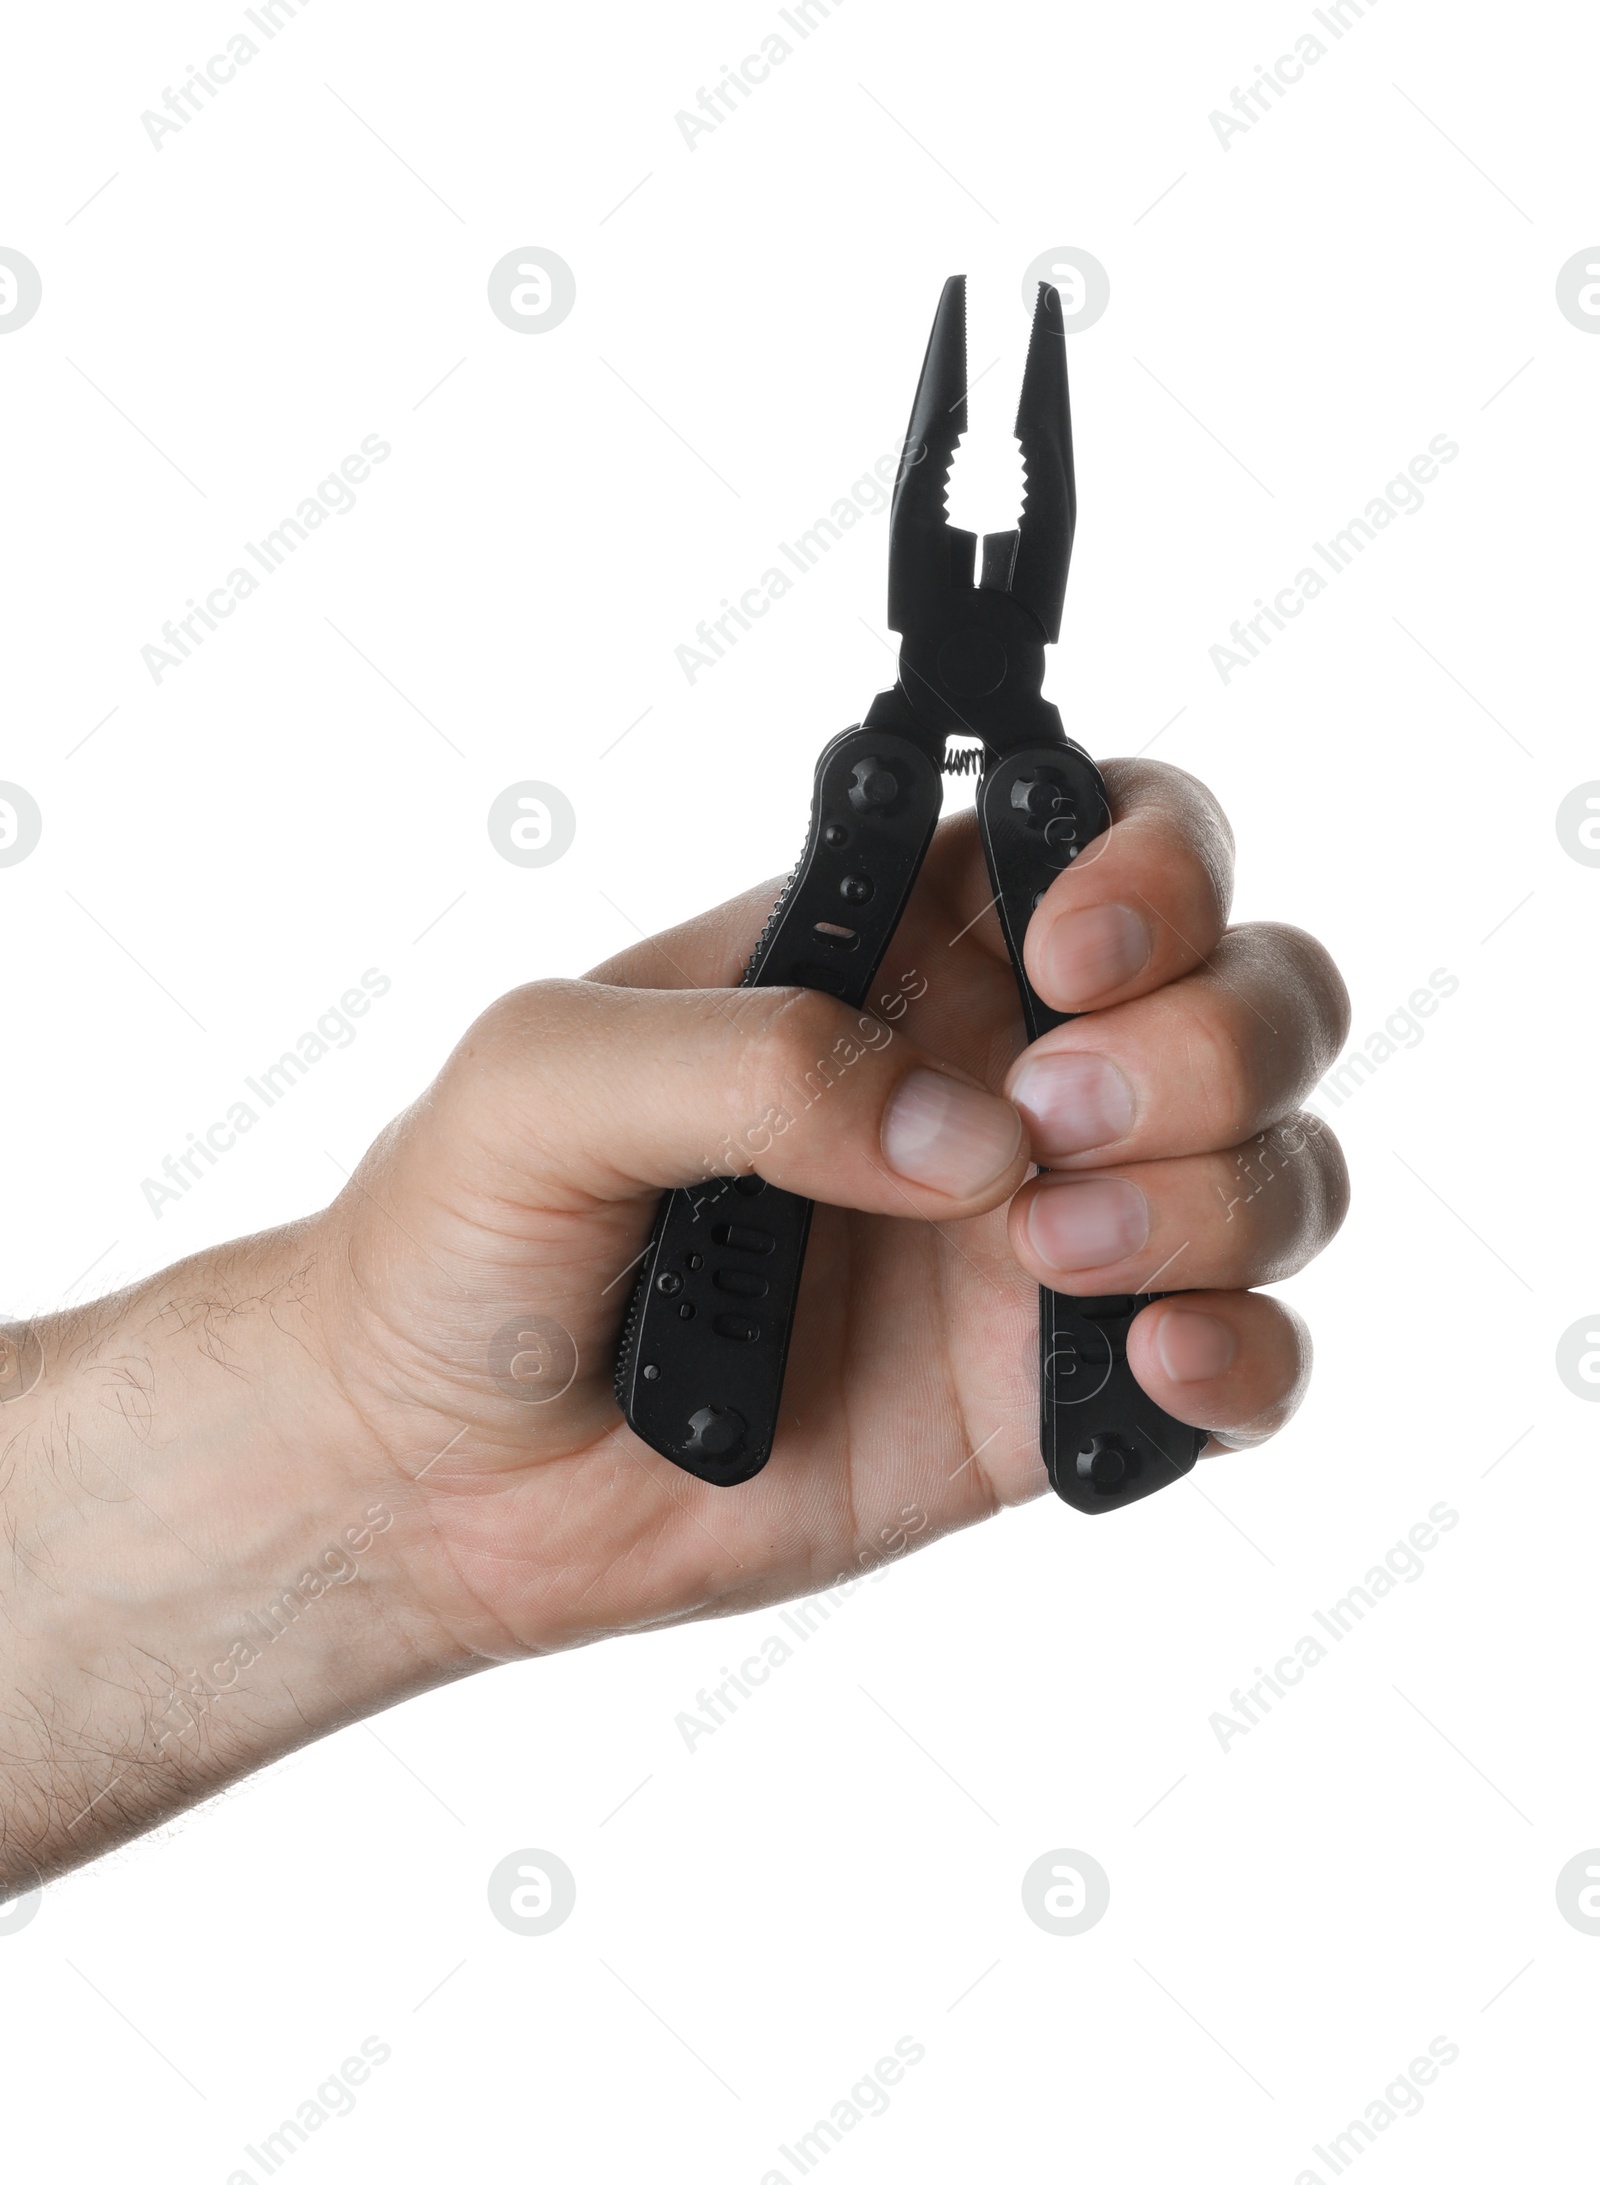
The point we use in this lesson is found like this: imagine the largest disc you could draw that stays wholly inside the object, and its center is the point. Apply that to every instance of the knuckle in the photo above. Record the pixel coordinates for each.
(1210, 841)
(1173, 810)
(1283, 1002)
(1324, 998)
(1222, 1073)
(795, 1040)
(1285, 1342)
(1282, 1194)
(1304, 1150)
(1201, 821)
(503, 1032)
(1333, 1181)
(1278, 1347)
(506, 1049)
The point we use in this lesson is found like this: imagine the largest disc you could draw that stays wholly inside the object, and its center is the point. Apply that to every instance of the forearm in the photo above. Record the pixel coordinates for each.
(198, 1569)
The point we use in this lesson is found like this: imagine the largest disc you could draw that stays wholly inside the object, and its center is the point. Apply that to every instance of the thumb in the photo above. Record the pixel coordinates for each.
(571, 1094)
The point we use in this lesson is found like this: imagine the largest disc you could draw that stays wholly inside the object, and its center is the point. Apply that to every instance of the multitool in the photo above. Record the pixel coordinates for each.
(700, 1370)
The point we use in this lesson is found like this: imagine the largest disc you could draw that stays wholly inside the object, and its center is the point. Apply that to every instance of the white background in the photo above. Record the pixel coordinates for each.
(1292, 318)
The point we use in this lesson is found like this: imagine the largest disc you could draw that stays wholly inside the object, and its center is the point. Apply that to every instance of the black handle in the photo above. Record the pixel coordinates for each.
(700, 1369)
(1105, 1442)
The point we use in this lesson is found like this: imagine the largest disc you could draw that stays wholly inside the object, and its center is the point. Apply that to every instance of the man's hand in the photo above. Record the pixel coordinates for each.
(368, 1359)
(526, 1183)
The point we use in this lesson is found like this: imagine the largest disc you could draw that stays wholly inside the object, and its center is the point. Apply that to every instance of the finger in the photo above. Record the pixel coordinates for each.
(1169, 845)
(1256, 1213)
(1145, 902)
(1235, 1364)
(713, 948)
(1205, 1062)
(710, 949)
(571, 1093)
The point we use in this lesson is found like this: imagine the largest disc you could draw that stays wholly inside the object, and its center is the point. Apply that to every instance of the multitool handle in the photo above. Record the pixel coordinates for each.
(700, 1369)
(1105, 1442)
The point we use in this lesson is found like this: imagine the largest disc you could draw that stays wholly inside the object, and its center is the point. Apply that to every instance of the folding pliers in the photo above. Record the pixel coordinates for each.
(700, 1369)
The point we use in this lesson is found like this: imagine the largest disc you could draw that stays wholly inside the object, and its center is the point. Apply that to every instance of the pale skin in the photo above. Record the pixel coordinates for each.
(319, 1399)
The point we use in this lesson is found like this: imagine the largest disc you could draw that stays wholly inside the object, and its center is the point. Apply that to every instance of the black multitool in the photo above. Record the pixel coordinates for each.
(700, 1369)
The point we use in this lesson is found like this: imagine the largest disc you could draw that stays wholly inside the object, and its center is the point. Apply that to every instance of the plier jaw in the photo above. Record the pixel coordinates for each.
(973, 637)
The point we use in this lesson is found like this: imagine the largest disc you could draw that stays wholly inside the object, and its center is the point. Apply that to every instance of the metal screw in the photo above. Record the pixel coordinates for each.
(875, 788)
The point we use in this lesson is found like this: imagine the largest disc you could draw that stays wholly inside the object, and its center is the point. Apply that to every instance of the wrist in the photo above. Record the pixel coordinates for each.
(205, 1569)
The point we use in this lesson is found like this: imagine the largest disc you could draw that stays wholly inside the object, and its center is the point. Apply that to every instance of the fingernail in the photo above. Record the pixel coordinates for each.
(1074, 1226)
(1091, 952)
(1072, 1102)
(938, 1131)
(1194, 1347)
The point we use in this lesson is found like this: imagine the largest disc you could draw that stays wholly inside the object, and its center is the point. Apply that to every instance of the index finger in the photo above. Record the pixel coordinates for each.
(1144, 902)
(711, 949)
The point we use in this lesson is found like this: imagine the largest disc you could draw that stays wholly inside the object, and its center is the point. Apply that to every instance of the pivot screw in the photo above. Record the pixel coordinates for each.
(1043, 797)
(714, 1432)
(856, 888)
(1103, 1462)
(669, 1285)
(875, 788)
